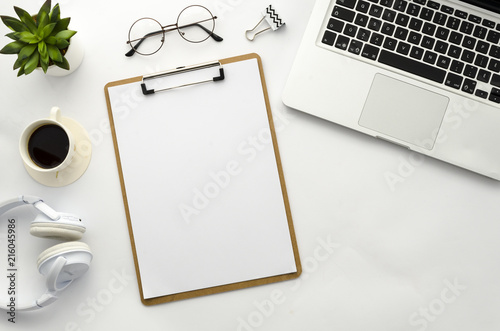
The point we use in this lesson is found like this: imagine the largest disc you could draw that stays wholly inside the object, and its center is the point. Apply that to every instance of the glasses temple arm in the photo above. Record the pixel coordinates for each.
(136, 46)
(214, 36)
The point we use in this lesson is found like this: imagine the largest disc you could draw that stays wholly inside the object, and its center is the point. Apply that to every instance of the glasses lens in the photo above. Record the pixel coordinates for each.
(146, 36)
(195, 23)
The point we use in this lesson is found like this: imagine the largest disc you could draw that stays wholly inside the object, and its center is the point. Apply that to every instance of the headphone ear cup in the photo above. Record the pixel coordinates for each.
(68, 227)
(63, 263)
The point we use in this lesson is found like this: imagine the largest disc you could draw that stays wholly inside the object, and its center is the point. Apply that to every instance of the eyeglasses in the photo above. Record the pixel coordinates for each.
(195, 24)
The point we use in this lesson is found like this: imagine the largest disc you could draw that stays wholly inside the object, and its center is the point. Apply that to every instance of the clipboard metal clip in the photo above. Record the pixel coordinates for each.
(181, 70)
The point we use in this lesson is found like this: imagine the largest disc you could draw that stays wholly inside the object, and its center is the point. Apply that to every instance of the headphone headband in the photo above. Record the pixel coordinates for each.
(37, 202)
(46, 299)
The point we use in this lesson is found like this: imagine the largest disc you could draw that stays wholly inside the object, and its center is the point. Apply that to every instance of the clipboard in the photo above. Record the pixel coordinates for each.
(206, 203)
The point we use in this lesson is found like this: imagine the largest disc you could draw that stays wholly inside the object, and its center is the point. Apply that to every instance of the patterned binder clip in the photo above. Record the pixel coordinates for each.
(272, 18)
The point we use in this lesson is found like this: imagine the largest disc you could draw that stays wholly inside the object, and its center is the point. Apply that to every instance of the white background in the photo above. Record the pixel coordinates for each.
(419, 253)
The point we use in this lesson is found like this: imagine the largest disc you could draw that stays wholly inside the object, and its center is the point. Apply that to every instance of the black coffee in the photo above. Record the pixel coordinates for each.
(48, 146)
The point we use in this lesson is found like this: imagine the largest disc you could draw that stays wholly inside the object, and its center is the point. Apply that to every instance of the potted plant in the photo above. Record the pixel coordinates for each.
(42, 41)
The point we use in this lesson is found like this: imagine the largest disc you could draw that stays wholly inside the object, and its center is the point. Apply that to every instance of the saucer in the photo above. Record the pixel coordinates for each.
(79, 163)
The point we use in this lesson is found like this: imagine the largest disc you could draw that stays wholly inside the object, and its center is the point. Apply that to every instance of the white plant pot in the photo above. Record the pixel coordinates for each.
(74, 55)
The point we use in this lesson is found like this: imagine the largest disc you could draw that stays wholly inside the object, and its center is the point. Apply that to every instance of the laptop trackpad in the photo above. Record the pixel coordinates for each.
(403, 111)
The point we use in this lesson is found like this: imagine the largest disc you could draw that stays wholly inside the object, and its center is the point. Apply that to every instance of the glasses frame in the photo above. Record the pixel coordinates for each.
(171, 27)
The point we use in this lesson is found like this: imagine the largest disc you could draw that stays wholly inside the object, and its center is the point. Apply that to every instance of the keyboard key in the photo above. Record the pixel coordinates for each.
(420, 2)
(430, 57)
(470, 71)
(453, 23)
(466, 27)
(453, 80)
(482, 47)
(455, 38)
(415, 24)
(469, 42)
(412, 66)
(400, 5)
(494, 65)
(370, 52)
(440, 18)
(488, 23)
(426, 14)
(363, 35)
(347, 3)
(329, 38)
(481, 93)
(447, 9)
(363, 6)
(361, 20)
(413, 9)
(441, 47)
(457, 66)
(417, 52)
(401, 33)
(467, 56)
(442, 33)
(494, 98)
(443, 62)
(390, 43)
(388, 29)
(469, 86)
(350, 30)
(403, 48)
(493, 36)
(335, 25)
(343, 13)
(495, 80)
(494, 52)
(454, 51)
(375, 11)
(474, 18)
(414, 38)
(428, 42)
(377, 39)
(433, 4)
(374, 24)
(429, 29)
(402, 19)
(479, 32)
(355, 47)
(494, 95)
(386, 3)
(342, 42)
(484, 76)
(481, 61)
(389, 15)
(461, 14)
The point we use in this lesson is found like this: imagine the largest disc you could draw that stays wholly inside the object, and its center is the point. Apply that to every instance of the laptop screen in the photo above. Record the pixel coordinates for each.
(493, 5)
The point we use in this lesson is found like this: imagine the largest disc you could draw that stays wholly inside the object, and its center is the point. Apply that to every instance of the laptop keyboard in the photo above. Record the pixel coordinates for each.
(425, 38)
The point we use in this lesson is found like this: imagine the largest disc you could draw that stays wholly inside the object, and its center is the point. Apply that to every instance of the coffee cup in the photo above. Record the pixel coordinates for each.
(55, 150)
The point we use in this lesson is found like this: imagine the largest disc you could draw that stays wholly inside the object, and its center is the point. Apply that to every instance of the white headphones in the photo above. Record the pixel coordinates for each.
(60, 264)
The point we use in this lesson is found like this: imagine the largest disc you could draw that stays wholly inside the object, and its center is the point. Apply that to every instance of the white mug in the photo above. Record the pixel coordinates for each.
(55, 150)
(46, 145)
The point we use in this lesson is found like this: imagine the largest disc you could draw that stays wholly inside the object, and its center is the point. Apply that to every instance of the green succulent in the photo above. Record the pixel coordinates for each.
(40, 40)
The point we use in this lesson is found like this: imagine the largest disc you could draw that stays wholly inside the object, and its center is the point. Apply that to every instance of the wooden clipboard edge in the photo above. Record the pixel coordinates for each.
(120, 173)
(226, 287)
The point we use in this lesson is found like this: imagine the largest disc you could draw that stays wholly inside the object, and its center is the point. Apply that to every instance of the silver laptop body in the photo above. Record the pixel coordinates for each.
(456, 121)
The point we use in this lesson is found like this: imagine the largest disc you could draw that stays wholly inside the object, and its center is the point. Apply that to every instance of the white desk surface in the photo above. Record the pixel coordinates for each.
(420, 254)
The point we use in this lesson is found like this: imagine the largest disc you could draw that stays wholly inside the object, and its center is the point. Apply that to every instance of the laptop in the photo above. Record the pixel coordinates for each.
(423, 74)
